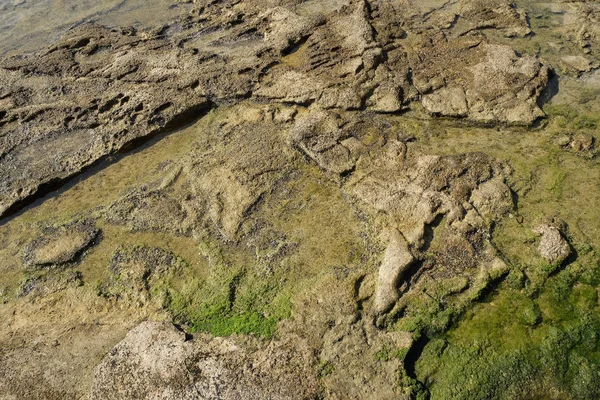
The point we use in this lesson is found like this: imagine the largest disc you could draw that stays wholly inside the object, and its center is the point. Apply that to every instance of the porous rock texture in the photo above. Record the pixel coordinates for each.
(59, 245)
(296, 174)
(98, 89)
(553, 247)
(155, 361)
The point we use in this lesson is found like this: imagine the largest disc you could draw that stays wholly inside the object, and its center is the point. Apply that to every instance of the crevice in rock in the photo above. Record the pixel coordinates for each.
(410, 361)
(294, 47)
(551, 89)
(57, 186)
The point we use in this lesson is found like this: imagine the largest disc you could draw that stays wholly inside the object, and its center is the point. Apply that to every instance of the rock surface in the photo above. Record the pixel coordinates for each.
(396, 261)
(112, 87)
(156, 361)
(553, 247)
(273, 143)
(60, 245)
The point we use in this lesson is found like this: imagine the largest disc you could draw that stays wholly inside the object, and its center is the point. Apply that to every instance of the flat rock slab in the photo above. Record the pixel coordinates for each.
(156, 361)
(100, 90)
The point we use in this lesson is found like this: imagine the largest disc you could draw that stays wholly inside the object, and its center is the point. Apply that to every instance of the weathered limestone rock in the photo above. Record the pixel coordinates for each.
(396, 262)
(451, 102)
(499, 14)
(149, 363)
(320, 136)
(156, 361)
(362, 362)
(492, 198)
(553, 247)
(216, 185)
(505, 87)
(461, 192)
(113, 87)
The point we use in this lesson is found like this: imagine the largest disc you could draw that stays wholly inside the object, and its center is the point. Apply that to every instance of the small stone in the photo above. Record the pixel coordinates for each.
(553, 247)
(582, 142)
(562, 140)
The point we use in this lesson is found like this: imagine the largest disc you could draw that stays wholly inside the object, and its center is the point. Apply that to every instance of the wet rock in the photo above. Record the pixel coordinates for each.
(60, 245)
(134, 271)
(553, 247)
(216, 184)
(45, 285)
(396, 262)
(110, 88)
(154, 207)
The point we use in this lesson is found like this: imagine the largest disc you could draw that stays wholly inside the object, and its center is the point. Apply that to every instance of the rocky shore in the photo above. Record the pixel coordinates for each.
(303, 200)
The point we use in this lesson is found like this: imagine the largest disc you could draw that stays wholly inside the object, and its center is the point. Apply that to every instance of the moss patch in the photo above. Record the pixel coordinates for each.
(517, 345)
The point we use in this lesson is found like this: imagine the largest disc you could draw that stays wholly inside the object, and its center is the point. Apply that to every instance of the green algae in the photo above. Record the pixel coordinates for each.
(250, 288)
(304, 228)
(515, 345)
(535, 335)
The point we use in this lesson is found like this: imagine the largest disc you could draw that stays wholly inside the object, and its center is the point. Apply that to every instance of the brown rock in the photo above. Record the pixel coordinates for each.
(156, 361)
(396, 261)
(582, 142)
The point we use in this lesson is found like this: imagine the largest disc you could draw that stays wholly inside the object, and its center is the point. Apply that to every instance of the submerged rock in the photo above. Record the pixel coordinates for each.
(134, 271)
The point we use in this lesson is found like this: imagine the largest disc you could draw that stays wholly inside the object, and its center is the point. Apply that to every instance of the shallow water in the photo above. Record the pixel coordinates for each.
(30, 25)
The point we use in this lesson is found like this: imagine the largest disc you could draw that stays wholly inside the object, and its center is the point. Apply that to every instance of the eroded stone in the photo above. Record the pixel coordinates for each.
(60, 245)
(553, 247)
